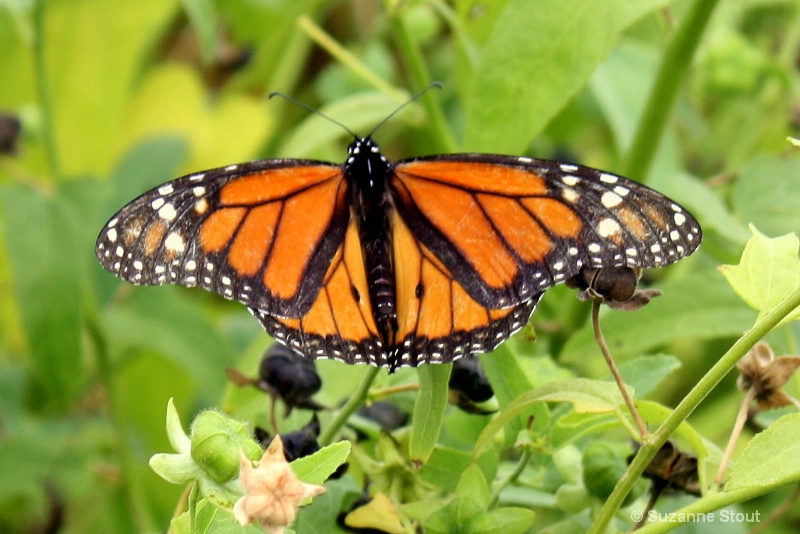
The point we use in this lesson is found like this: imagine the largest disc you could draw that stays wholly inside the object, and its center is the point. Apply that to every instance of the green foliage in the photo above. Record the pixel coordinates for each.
(115, 98)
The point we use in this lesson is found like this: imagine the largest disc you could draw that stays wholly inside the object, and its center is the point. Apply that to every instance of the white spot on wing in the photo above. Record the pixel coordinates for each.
(111, 234)
(608, 227)
(570, 195)
(165, 189)
(167, 212)
(570, 180)
(610, 199)
(174, 242)
(608, 178)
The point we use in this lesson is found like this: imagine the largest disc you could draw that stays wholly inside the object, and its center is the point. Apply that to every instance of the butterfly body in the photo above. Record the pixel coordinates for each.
(392, 263)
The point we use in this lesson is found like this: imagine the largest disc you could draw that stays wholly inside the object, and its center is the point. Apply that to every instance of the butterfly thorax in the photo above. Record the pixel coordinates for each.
(367, 173)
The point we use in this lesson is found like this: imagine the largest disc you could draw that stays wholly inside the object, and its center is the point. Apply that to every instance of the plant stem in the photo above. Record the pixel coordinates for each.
(421, 78)
(741, 419)
(350, 407)
(654, 442)
(673, 67)
(45, 103)
(329, 44)
(601, 342)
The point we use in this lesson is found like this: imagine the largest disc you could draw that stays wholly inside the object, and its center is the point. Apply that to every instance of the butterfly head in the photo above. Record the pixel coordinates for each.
(365, 164)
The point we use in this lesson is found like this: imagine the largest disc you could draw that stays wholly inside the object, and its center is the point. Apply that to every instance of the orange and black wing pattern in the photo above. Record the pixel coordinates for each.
(507, 228)
(262, 233)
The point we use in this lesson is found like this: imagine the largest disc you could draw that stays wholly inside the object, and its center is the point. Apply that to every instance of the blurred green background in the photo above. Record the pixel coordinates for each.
(116, 97)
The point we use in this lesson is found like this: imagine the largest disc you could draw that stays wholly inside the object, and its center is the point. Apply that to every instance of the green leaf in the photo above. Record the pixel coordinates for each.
(586, 396)
(699, 305)
(108, 40)
(528, 73)
(645, 373)
(167, 319)
(766, 194)
(426, 421)
(473, 484)
(318, 467)
(508, 379)
(768, 271)
(772, 458)
(42, 238)
(504, 520)
(446, 464)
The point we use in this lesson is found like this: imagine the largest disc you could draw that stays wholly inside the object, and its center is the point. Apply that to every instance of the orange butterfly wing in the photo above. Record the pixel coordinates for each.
(509, 228)
(262, 233)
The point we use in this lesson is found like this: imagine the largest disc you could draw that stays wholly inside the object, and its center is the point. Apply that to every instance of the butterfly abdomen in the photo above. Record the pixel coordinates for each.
(366, 172)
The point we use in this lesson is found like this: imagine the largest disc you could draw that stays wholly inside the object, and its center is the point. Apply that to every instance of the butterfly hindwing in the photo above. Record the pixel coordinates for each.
(262, 233)
(438, 321)
(340, 323)
(509, 228)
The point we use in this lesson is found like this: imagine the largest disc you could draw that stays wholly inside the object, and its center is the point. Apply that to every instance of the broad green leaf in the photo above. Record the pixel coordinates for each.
(504, 520)
(700, 305)
(317, 467)
(768, 271)
(473, 484)
(705, 203)
(509, 381)
(621, 85)
(171, 100)
(771, 459)
(765, 194)
(586, 396)
(41, 237)
(426, 421)
(167, 320)
(445, 466)
(532, 64)
(93, 53)
(645, 373)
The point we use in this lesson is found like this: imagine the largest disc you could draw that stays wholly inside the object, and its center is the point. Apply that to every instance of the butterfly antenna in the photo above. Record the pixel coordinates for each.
(313, 110)
(414, 98)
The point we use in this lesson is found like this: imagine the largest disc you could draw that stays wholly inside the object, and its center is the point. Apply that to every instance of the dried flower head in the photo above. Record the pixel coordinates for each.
(766, 374)
(272, 491)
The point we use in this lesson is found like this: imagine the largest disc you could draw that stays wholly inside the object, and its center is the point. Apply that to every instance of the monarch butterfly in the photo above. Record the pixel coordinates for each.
(394, 264)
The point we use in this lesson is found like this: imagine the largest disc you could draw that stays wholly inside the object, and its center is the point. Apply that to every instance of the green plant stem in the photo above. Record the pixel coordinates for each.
(659, 104)
(45, 103)
(612, 366)
(512, 477)
(654, 442)
(350, 407)
(329, 44)
(130, 486)
(421, 78)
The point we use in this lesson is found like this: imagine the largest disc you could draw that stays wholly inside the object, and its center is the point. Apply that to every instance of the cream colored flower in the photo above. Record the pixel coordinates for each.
(272, 490)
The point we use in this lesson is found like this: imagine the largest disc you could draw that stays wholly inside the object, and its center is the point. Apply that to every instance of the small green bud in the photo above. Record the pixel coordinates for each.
(216, 441)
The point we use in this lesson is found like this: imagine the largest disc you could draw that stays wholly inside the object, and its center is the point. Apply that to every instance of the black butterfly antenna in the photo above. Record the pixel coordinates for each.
(313, 110)
(345, 128)
(414, 98)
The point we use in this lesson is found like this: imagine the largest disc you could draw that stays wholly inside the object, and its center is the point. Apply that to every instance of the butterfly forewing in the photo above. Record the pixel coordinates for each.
(508, 228)
(261, 233)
